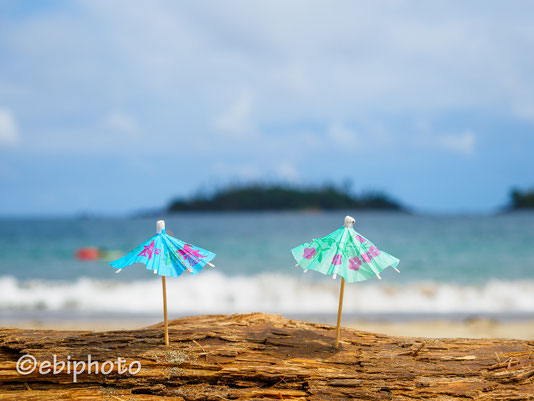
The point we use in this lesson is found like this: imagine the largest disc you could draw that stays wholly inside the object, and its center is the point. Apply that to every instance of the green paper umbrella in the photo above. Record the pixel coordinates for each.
(347, 254)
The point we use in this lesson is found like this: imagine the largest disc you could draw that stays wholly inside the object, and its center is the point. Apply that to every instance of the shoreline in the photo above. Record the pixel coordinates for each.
(433, 327)
(473, 328)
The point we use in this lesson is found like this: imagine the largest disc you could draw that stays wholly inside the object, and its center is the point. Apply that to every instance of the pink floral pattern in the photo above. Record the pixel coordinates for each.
(374, 251)
(355, 263)
(190, 254)
(148, 250)
(336, 260)
(366, 257)
(308, 253)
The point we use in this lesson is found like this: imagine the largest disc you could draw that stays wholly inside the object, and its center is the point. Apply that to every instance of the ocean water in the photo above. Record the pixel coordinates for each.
(461, 265)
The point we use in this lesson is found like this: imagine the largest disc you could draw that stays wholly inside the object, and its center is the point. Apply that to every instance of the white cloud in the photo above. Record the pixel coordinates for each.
(463, 143)
(329, 64)
(236, 121)
(123, 123)
(242, 171)
(525, 111)
(287, 171)
(8, 128)
(343, 137)
(296, 78)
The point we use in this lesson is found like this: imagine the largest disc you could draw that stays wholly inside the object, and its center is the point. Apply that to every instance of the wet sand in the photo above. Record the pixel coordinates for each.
(436, 328)
(472, 328)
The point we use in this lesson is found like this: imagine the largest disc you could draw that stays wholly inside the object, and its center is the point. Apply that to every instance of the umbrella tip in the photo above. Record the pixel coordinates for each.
(160, 226)
(349, 221)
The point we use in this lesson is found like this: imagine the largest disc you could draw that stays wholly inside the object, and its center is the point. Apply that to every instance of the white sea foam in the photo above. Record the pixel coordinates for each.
(217, 293)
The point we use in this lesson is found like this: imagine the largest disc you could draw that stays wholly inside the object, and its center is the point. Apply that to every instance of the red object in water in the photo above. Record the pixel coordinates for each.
(88, 253)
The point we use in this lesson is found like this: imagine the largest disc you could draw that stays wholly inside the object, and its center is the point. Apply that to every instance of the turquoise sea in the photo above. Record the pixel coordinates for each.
(450, 265)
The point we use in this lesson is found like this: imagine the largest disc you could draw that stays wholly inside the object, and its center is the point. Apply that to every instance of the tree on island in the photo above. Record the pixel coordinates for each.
(254, 197)
(521, 199)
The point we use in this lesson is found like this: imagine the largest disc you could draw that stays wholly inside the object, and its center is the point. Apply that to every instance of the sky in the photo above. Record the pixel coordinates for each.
(116, 106)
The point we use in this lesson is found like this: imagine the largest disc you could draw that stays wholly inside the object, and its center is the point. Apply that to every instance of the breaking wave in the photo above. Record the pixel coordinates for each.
(276, 293)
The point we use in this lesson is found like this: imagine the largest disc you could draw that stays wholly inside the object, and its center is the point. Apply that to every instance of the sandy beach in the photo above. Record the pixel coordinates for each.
(474, 328)
(434, 328)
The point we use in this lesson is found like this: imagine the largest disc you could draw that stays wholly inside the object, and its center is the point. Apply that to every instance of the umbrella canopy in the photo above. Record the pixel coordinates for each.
(344, 252)
(166, 256)
(347, 253)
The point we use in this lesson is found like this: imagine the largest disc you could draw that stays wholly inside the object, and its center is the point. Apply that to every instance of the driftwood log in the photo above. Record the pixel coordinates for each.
(259, 356)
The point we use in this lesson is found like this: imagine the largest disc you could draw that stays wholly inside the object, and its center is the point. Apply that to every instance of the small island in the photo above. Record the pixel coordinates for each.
(521, 200)
(257, 197)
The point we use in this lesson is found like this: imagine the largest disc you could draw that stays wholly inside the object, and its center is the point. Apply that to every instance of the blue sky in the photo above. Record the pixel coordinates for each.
(111, 107)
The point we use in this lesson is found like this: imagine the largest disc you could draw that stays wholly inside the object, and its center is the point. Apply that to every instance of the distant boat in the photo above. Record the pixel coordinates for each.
(94, 253)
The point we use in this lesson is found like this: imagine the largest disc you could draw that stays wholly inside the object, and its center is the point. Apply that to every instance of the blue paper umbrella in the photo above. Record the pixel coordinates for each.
(168, 257)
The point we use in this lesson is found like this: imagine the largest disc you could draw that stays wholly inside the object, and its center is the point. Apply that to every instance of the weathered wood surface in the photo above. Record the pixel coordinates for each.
(258, 356)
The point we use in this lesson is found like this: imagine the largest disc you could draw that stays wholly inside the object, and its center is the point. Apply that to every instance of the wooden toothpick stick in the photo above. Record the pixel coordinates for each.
(338, 328)
(165, 310)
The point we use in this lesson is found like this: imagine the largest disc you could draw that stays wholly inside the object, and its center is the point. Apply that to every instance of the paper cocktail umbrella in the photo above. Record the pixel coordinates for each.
(166, 256)
(347, 254)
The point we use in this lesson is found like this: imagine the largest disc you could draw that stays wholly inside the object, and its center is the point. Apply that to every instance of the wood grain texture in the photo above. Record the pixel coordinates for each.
(260, 356)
